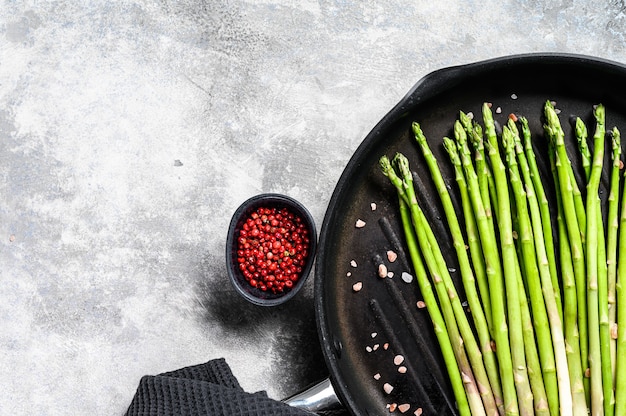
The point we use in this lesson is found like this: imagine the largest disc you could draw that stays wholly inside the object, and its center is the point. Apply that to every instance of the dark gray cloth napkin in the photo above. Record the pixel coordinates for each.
(208, 389)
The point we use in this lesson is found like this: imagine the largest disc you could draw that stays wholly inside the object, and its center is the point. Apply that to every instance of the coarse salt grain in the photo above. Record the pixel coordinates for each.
(402, 369)
(403, 408)
(388, 388)
(418, 412)
(385, 346)
(421, 304)
(357, 286)
(391, 256)
(376, 346)
(373, 334)
(359, 223)
(398, 359)
(368, 349)
(382, 271)
(373, 206)
(353, 263)
(498, 110)
(389, 274)
(407, 277)
(514, 96)
(392, 407)
(349, 274)
(377, 376)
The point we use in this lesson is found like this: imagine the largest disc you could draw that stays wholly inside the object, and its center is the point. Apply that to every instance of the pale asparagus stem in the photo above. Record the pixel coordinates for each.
(436, 264)
(564, 182)
(475, 249)
(593, 230)
(507, 246)
(620, 288)
(493, 269)
(467, 274)
(611, 240)
(570, 315)
(544, 211)
(477, 257)
(439, 326)
(532, 356)
(466, 394)
(543, 303)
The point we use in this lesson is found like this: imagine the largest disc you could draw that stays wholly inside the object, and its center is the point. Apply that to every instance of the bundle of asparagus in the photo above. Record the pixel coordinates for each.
(545, 312)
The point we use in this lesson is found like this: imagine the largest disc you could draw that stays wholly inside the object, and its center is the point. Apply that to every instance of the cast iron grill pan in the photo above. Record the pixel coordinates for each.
(355, 326)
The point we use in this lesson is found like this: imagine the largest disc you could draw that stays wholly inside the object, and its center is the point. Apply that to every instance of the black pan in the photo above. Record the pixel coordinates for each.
(355, 327)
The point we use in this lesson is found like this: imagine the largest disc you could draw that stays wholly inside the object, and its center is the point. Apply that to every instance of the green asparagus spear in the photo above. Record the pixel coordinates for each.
(467, 274)
(436, 317)
(471, 229)
(507, 247)
(593, 229)
(471, 398)
(548, 325)
(611, 241)
(564, 186)
(436, 264)
(544, 209)
(570, 312)
(620, 287)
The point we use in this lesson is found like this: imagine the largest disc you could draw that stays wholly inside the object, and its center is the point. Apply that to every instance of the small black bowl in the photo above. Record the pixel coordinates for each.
(243, 287)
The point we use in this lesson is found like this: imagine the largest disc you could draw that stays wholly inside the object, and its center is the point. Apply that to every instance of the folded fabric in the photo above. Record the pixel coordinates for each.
(208, 389)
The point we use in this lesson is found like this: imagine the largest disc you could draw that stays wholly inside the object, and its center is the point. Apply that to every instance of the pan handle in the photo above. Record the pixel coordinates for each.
(318, 397)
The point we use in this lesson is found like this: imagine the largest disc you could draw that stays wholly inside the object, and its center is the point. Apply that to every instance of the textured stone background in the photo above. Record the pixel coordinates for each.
(131, 130)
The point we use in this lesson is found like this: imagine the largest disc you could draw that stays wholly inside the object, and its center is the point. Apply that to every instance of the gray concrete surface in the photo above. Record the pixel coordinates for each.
(131, 130)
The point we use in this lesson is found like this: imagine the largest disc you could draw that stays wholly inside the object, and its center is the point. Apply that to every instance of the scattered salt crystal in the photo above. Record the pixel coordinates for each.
(349, 274)
(375, 347)
(470, 115)
(514, 96)
(368, 349)
(377, 376)
(398, 359)
(353, 263)
(390, 274)
(498, 110)
(373, 334)
(385, 346)
(403, 408)
(391, 256)
(421, 304)
(402, 369)
(418, 412)
(359, 223)
(373, 206)
(388, 388)
(382, 271)
(451, 269)
(392, 407)
(357, 286)
(407, 277)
